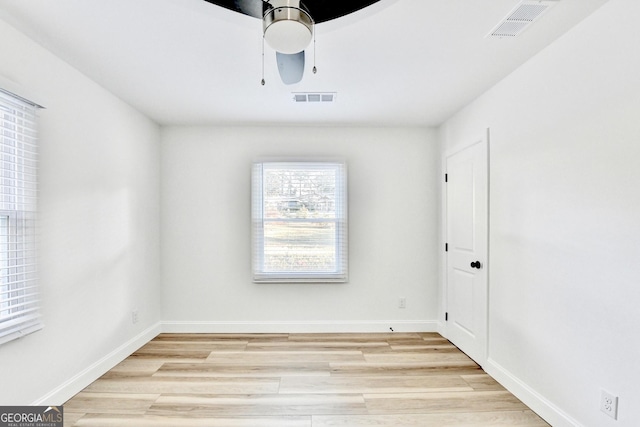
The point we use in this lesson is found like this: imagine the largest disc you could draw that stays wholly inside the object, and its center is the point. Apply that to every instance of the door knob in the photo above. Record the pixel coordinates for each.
(476, 264)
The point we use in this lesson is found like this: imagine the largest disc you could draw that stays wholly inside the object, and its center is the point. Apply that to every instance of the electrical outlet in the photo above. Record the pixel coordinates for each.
(609, 404)
(402, 302)
(134, 316)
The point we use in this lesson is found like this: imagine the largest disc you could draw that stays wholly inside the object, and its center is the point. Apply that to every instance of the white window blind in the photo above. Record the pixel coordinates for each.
(19, 300)
(299, 222)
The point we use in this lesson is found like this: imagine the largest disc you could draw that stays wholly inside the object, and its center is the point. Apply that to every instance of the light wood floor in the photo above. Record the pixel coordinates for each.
(297, 380)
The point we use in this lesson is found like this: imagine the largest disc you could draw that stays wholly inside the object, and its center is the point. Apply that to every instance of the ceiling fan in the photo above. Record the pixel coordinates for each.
(288, 26)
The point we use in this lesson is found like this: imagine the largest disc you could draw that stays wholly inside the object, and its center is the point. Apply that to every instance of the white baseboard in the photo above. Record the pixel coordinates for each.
(300, 327)
(76, 384)
(547, 410)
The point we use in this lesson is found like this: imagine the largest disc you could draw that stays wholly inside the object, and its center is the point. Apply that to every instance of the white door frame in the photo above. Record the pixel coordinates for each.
(442, 323)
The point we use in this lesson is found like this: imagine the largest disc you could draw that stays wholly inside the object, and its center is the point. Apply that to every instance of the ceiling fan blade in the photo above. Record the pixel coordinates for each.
(323, 11)
(291, 67)
(253, 8)
(320, 10)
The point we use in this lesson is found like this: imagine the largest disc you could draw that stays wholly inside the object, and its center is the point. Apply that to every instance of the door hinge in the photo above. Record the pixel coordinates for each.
(446, 247)
(446, 317)
(446, 177)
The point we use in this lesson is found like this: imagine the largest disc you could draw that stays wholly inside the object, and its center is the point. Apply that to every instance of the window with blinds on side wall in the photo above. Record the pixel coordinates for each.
(19, 300)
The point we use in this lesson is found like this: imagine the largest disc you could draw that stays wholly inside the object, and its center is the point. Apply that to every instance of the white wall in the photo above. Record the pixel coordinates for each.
(206, 268)
(565, 220)
(99, 193)
(564, 226)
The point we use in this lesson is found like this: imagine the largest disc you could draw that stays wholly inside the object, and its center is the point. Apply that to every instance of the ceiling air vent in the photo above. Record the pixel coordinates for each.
(525, 13)
(314, 97)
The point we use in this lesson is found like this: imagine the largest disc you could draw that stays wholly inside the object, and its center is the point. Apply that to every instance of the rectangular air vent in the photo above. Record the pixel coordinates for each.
(314, 97)
(525, 13)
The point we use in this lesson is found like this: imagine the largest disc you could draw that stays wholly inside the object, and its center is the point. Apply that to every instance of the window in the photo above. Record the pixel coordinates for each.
(299, 215)
(19, 302)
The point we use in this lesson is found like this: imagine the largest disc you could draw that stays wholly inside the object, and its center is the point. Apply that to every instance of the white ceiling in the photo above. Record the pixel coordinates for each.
(398, 62)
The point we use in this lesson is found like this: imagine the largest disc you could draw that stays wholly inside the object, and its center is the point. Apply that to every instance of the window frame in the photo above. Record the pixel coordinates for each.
(337, 275)
(19, 293)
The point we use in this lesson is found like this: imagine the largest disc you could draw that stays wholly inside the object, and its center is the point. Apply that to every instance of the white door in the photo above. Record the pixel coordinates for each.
(467, 249)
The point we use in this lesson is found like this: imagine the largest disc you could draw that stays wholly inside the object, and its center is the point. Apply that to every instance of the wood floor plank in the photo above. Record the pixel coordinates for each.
(354, 337)
(405, 384)
(110, 403)
(486, 419)
(284, 357)
(102, 420)
(194, 356)
(208, 370)
(264, 405)
(295, 345)
(430, 335)
(418, 357)
(134, 367)
(161, 385)
(482, 381)
(403, 369)
(147, 360)
(71, 418)
(422, 347)
(197, 346)
(220, 337)
(372, 346)
(420, 341)
(445, 402)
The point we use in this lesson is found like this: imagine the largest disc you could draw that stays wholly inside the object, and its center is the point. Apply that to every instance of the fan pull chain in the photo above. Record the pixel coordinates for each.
(262, 82)
(315, 70)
